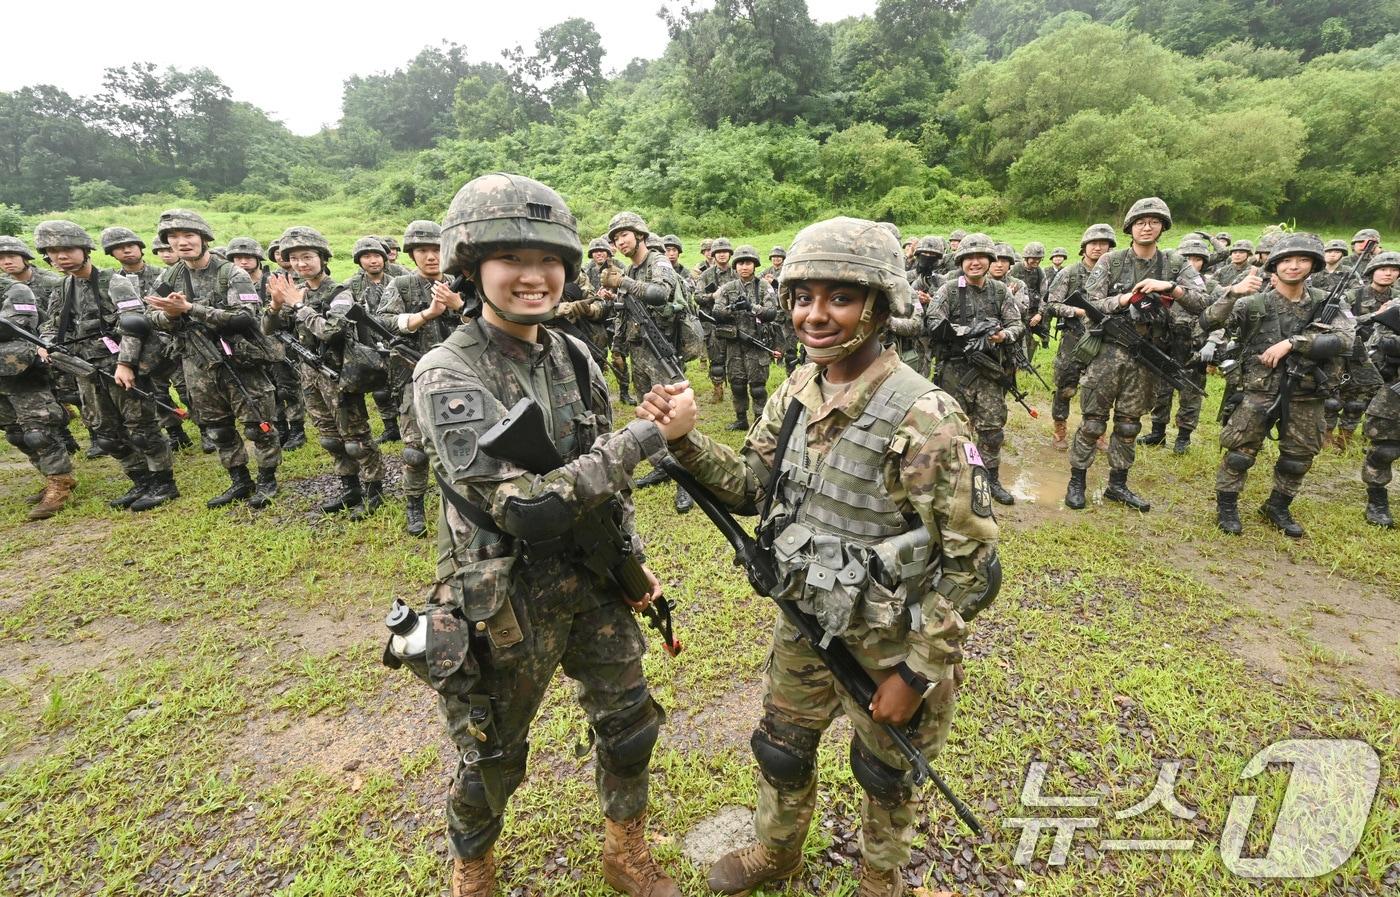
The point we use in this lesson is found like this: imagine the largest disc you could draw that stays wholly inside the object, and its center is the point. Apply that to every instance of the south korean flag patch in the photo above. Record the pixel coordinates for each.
(981, 488)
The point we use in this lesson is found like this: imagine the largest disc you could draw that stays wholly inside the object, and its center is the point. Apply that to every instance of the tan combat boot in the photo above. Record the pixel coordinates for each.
(474, 878)
(1061, 442)
(718, 397)
(742, 871)
(57, 491)
(628, 865)
(874, 883)
(1342, 439)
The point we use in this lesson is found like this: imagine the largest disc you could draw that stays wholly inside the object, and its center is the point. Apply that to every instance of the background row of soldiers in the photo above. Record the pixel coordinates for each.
(360, 339)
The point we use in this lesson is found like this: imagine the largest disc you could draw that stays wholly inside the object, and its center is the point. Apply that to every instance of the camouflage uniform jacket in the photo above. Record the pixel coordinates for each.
(146, 279)
(19, 359)
(43, 284)
(394, 269)
(369, 294)
(220, 293)
(94, 305)
(319, 322)
(1033, 278)
(1228, 274)
(1265, 318)
(1116, 273)
(653, 268)
(735, 324)
(965, 304)
(1072, 279)
(404, 296)
(464, 386)
(710, 282)
(594, 271)
(929, 470)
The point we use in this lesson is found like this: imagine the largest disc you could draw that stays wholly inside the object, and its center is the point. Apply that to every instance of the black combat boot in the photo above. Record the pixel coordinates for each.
(140, 482)
(1118, 491)
(94, 450)
(374, 499)
(266, 488)
(656, 477)
(741, 424)
(1227, 513)
(391, 431)
(1074, 492)
(683, 500)
(240, 488)
(162, 490)
(1378, 507)
(348, 498)
(296, 435)
(1275, 510)
(1157, 436)
(284, 430)
(1183, 441)
(178, 438)
(999, 493)
(415, 517)
(206, 445)
(70, 443)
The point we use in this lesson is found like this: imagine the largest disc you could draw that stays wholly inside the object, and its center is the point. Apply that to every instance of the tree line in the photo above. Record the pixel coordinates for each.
(756, 117)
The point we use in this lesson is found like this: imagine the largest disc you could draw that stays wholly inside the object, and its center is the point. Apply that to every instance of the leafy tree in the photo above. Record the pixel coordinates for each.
(407, 105)
(569, 59)
(94, 194)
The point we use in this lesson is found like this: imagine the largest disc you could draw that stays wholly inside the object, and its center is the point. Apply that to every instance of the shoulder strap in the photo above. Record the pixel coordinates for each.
(794, 413)
(578, 357)
(459, 503)
(65, 316)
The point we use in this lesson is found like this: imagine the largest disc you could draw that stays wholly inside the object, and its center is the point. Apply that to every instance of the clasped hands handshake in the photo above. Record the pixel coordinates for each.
(671, 407)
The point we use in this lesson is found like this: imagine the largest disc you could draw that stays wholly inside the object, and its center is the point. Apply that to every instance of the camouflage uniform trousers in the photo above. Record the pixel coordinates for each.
(31, 407)
(171, 373)
(132, 424)
(1360, 381)
(1113, 383)
(984, 403)
(1383, 430)
(716, 348)
(1067, 375)
(800, 691)
(1244, 434)
(219, 404)
(646, 369)
(595, 638)
(341, 419)
(415, 473)
(746, 369)
(1188, 412)
(288, 402)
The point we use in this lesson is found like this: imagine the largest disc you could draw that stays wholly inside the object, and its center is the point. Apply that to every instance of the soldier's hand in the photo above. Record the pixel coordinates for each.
(611, 278)
(998, 337)
(895, 702)
(1275, 353)
(43, 355)
(174, 304)
(1150, 285)
(450, 301)
(282, 290)
(671, 407)
(1035, 320)
(652, 594)
(1250, 283)
(124, 376)
(606, 293)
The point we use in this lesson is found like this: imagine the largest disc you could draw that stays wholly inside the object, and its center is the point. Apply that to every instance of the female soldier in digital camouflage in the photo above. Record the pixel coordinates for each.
(881, 520)
(510, 625)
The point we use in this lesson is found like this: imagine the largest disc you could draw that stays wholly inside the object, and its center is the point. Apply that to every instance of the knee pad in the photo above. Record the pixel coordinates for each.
(382, 397)
(1068, 392)
(414, 456)
(355, 449)
(1239, 461)
(223, 435)
(1383, 454)
(1094, 427)
(759, 392)
(109, 444)
(38, 440)
(992, 439)
(15, 437)
(1294, 465)
(332, 445)
(1354, 407)
(886, 785)
(786, 754)
(1332, 404)
(254, 430)
(626, 738)
(717, 373)
(1126, 429)
(467, 787)
(140, 442)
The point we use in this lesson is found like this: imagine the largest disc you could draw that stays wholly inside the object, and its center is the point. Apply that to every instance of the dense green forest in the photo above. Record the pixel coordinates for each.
(755, 117)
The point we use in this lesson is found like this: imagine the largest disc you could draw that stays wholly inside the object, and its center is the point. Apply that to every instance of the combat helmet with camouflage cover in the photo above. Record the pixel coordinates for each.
(369, 244)
(672, 240)
(1366, 233)
(1151, 205)
(183, 219)
(1295, 244)
(1059, 253)
(1193, 245)
(1099, 231)
(15, 245)
(721, 244)
(112, 237)
(931, 246)
(389, 243)
(246, 246)
(1005, 251)
(745, 253)
(705, 245)
(299, 236)
(1268, 240)
(893, 229)
(777, 252)
(1382, 260)
(654, 243)
(1242, 246)
(422, 233)
(848, 250)
(1034, 250)
(975, 244)
(957, 234)
(600, 244)
(58, 233)
(502, 209)
(628, 221)
(1338, 245)
(273, 248)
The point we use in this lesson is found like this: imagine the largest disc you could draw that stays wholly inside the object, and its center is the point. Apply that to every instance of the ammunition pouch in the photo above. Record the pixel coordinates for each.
(482, 594)
(1088, 348)
(362, 369)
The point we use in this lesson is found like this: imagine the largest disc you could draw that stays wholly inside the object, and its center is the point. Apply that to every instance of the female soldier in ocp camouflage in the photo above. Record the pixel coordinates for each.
(880, 464)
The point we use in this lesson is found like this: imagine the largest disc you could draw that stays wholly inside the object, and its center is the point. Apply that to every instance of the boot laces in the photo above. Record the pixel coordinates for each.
(637, 852)
(473, 876)
(874, 883)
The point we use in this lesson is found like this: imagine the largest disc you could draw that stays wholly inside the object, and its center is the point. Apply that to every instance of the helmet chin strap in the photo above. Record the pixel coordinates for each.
(540, 318)
(865, 329)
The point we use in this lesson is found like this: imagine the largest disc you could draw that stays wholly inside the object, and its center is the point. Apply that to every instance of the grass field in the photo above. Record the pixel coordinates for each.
(191, 701)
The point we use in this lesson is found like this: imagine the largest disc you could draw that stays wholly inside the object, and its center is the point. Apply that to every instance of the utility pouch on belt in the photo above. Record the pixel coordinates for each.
(1088, 348)
(482, 592)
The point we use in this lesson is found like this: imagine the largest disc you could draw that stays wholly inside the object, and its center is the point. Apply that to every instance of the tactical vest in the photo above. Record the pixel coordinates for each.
(1269, 318)
(1166, 264)
(842, 544)
(742, 322)
(258, 349)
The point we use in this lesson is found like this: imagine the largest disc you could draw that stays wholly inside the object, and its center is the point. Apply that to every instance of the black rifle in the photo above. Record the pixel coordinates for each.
(976, 348)
(654, 339)
(306, 356)
(394, 341)
(1119, 329)
(218, 351)
(746, 337)
(599, 540)
(65, 360)
(762, 571)
(1295, 368)
(1388, 317)
(1018, 357)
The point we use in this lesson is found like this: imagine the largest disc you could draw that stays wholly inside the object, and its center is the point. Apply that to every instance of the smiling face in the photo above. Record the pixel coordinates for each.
(1293, 269)
(522, 281)
(1147, 229)
(372, 263)
(826, 313)
(305, 263)
(186, 243)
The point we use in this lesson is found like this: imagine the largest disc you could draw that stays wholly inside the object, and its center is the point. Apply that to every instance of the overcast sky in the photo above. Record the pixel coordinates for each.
(295, 56)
